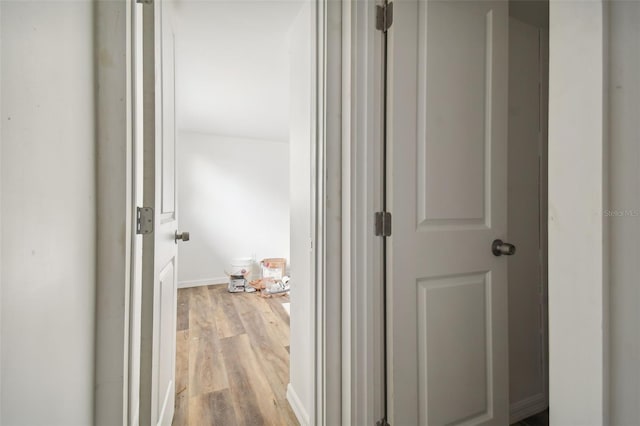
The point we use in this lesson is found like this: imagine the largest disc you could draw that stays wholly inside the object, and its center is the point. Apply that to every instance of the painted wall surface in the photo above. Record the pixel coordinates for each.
(48, 213)
(234, 200)
(233, 76)
(623, 212)
(578, 264)
(526, 210)
(301, 378)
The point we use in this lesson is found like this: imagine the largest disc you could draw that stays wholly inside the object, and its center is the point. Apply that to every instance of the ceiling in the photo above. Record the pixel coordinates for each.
(232, 67)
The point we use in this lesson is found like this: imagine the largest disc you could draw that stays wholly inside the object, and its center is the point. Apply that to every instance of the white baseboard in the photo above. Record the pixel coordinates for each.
(205, 281)
(296, 406)
(527, 407)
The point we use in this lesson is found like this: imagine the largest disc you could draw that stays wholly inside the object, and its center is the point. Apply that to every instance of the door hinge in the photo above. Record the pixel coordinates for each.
(382, 422)
(384, 16)
(383, 224)
(144, 220)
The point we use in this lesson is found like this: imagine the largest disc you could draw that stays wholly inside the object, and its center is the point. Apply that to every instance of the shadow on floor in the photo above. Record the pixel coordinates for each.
(540, 419)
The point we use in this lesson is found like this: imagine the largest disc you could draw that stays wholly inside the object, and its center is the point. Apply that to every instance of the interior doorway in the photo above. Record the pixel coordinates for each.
(244, 183)
(466, 259)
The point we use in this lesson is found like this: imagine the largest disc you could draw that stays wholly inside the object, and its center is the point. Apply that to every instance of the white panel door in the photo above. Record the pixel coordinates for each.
(447, 156)
(160, 249)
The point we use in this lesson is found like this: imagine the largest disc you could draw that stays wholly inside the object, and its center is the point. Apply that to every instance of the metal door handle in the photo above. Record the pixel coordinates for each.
(500, 248)
(184, 236)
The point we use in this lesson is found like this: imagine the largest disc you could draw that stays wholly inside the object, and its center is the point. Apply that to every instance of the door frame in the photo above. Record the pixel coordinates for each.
(566, 312)
(115, 211)
(363, 350)
(118, 244)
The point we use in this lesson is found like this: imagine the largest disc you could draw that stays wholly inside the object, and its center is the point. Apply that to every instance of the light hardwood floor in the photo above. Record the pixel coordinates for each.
(232, 363)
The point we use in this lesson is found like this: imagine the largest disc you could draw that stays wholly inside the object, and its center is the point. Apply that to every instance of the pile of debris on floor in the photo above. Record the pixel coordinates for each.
(273, 280)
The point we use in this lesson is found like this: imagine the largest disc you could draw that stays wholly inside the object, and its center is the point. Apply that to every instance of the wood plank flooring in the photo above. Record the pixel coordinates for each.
(232, 361)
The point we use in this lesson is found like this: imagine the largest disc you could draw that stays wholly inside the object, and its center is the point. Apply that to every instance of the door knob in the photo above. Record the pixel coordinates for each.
(184, 236)
(499, 248)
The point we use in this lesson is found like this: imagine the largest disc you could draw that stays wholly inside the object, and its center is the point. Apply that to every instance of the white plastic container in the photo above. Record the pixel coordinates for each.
(242, 266)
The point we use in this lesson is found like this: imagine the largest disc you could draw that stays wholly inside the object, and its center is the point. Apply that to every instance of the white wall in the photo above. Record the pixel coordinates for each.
(245, 96)
(624, 208)
(48, 213)
(300, 392)
(234, 200)
(578, 263)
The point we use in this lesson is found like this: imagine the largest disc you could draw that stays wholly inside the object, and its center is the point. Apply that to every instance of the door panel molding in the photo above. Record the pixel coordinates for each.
(474, 385)
(442, 199)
